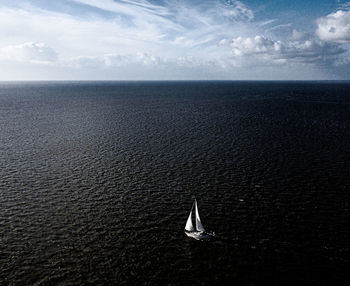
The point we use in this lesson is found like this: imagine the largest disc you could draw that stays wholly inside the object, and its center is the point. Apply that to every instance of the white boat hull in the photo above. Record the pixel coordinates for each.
(199, 235)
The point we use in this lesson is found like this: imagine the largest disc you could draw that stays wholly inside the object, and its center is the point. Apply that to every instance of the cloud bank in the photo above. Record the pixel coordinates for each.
(278, 52)
(140, 39)
(29, 52)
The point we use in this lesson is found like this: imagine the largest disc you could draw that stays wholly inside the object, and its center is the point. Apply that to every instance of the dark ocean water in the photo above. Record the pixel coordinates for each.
(97, 180)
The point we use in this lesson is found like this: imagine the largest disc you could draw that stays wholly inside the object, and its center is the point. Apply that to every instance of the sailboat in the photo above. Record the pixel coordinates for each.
(199, 232)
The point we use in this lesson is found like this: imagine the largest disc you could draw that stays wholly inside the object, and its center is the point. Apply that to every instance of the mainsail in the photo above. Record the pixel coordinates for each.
(189, 225)
(199, 225)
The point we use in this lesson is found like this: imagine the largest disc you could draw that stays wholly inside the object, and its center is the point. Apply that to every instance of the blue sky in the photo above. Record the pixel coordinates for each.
(174, 40)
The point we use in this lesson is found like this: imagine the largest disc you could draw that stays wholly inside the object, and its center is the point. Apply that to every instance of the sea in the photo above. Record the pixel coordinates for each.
(97, 180)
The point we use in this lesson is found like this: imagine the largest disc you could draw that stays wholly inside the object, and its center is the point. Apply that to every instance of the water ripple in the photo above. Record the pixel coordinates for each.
(96, 181)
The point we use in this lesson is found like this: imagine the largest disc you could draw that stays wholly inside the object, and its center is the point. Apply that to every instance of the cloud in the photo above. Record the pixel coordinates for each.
(262, 49)
(29, 52)
(237, 11)
(300, 36)
(124, 38)
(139, 59)
(117, 60)
(257, 45)
(136, 13)
(81, 31)
(182, 23)
(335, 27)
(71, 36)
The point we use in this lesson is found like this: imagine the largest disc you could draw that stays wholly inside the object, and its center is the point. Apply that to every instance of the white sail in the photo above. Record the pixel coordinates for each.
(189, 225)
(199, 225)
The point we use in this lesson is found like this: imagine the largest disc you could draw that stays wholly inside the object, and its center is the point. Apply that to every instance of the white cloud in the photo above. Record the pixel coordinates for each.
(73, 36)
(84, 62)
(176, 30)
(335, 27)
(237, 10)
(87, 38)
(262, 49)
(117, 60)
(140, 14)
(139, 59)
(29, 52)
(257, 45)
(300, 36)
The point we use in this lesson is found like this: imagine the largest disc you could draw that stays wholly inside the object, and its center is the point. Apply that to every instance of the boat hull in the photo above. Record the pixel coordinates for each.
(198, 235)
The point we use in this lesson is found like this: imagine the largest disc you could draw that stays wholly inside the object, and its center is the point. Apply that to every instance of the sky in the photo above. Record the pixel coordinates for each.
(174, 40)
